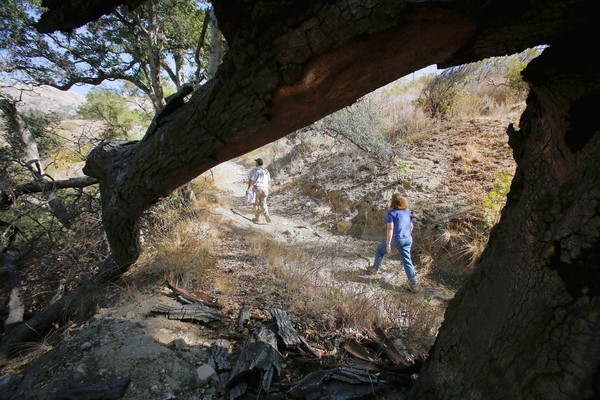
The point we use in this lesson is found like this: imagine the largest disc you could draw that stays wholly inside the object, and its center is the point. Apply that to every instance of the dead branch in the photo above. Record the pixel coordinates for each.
(9, 195)
(346, 383)
(244, 317)
(198, 297)
(192, 312)
(359, 351)
(288, 334)
(389, 348)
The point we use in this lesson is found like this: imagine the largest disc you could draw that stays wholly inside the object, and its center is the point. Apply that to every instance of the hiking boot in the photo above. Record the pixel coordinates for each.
(268, 219)
(412, 288)
(373, 271)
(255, 220)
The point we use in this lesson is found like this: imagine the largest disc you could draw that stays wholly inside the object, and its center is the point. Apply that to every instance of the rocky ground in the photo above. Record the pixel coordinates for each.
(326, 205)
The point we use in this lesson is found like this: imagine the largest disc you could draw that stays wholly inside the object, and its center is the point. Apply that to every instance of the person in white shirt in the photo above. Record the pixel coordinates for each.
(259, 183)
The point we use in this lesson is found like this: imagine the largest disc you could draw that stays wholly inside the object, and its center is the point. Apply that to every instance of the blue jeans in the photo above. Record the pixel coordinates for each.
(403, 246)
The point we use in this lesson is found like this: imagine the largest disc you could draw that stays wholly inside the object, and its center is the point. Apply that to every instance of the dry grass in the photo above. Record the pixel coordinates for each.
(403, 122)
(455, 250)
(179, 242)
(128, 289)
(306, 276)
(309, 279)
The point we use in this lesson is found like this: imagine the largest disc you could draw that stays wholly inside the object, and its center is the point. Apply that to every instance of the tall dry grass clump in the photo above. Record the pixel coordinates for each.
(178, 239)
(402, 120)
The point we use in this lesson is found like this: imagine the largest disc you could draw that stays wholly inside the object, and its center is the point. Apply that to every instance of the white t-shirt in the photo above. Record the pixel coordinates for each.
(260, 176)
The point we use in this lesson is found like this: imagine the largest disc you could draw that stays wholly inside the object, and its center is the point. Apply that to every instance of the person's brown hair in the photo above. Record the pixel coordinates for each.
(398, 202)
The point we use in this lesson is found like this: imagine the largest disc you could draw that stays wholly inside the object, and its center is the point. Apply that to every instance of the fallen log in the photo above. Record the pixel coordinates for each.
(258, 362)
(219, 355)
(42, 321)
(219, 361)
(190, 312)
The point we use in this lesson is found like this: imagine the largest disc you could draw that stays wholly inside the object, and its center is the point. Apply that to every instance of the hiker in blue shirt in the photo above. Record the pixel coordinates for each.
(398, 236)
(259, 184)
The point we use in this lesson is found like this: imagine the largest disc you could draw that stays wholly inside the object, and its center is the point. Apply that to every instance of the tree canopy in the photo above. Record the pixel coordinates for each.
(156, 42)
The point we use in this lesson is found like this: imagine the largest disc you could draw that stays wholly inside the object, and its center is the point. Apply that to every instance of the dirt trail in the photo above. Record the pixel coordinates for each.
(231, 179)
(348, 267)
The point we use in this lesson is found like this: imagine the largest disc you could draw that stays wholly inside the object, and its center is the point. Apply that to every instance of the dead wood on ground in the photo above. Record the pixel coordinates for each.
(192, 312)
(196, 297)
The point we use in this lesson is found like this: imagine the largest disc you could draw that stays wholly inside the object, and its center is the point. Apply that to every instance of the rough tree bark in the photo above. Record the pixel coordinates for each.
(524, 325)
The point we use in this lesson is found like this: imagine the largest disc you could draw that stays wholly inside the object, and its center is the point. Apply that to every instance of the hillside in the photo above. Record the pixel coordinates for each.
(45, 99)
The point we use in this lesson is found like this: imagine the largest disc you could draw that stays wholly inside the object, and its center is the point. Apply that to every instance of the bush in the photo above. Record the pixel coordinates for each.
(114, 110)
(437, 97)
(360, 124)
(496, 198)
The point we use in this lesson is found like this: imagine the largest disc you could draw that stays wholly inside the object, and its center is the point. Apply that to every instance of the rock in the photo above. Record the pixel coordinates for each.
(344, 226)
(179, 344)
(86, 345)
(143, 324)
(204, 373)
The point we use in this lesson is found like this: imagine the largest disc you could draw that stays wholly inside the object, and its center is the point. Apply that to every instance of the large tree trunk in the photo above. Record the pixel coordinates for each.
(526, 324)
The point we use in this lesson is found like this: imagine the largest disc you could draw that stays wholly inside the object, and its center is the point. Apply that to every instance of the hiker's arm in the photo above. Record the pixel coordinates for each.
(250, 184)
(388, 237)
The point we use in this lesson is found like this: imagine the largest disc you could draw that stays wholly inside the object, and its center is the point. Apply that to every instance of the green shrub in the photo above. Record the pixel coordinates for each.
(360, 124)
(118, 116)
(496, 198)
(438, 95)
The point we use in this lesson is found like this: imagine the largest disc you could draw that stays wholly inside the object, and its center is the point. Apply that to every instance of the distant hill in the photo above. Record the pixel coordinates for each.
(46, 98)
